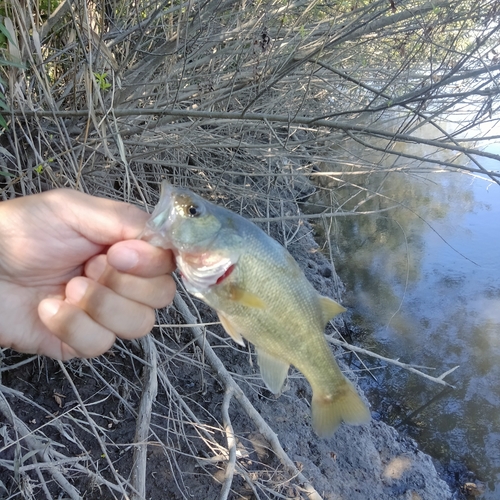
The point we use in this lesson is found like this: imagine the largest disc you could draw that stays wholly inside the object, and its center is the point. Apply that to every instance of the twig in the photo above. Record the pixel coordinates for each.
(438, 380)
(93, 426)
(17, 365)
(247, 406)
(321, 215)
(149, 391)
(231, 445)
(41, 450)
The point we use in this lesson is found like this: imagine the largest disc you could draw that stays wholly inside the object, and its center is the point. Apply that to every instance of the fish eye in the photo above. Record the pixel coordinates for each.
(194, 210)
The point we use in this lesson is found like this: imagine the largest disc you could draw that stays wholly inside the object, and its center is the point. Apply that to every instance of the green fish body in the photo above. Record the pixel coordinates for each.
(260, 295)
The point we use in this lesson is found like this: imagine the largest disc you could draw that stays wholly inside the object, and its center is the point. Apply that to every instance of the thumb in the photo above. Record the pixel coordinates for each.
(100, 220)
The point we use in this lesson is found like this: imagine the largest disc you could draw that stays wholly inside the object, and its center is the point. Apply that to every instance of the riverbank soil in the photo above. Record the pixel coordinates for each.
(71, 430)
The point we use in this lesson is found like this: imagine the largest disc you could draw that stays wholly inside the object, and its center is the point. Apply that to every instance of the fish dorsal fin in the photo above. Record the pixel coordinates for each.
(231, 330)
(245, 298)
(330, 308)
(272, 370)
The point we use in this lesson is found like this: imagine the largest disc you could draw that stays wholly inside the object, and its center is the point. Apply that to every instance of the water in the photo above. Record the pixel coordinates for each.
(424, 283)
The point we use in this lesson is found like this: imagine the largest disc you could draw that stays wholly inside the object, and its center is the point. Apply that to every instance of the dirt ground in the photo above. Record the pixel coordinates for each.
(70, 430)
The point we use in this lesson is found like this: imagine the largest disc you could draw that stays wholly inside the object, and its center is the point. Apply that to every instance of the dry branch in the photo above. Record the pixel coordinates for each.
(297, 120)
(231, 445)
(149, 391)
(410, 368)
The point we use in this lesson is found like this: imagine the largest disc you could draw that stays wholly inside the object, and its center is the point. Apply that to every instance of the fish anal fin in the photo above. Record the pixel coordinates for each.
(272, 370)
(330, 308)
(231, 330)
(343, 405)
(245, 298)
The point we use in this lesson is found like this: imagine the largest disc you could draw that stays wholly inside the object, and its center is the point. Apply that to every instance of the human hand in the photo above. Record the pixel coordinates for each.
(72, 278)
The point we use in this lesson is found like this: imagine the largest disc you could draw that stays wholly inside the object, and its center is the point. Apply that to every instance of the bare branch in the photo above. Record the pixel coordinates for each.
(149, 391)
(360, 350)
(231, 446)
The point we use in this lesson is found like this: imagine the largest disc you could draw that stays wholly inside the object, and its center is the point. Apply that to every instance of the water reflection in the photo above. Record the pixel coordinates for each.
(424, 280)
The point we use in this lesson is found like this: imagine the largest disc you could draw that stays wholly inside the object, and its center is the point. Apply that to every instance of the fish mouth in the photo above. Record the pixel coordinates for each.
(202, 271)
(157, 229)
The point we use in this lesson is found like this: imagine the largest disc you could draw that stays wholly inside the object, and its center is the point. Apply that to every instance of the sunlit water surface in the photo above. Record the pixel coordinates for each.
(424, 283)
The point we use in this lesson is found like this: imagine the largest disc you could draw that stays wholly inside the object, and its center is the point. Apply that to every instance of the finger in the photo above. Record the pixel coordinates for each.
(140, 258)
(79, 335)
(156, 292)
(100, 220)
(124, 317)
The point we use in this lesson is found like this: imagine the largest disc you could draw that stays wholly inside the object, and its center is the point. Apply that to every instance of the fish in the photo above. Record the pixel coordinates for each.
(260, 294)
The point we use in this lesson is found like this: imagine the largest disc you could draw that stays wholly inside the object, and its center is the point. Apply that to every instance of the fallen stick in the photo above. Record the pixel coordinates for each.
(438, 380)
(231, 446)
(149, 391)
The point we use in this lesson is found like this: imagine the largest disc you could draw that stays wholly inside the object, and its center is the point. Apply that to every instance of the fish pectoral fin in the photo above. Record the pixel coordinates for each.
(330, 308)
(272, 370)
(231, 330)
(343, 404)
(245, 298)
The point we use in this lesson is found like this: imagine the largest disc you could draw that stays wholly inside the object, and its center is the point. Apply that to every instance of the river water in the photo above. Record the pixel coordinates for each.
(423, 284)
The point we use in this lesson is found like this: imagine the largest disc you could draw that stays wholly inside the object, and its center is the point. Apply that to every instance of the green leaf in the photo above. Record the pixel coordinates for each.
(4, 62)
(4, 30)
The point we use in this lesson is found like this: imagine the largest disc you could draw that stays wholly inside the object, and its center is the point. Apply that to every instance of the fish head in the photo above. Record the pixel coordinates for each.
(202, 236)
(182, 221)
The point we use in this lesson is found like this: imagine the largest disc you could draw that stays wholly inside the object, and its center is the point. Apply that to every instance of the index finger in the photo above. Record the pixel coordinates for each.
(139, 258)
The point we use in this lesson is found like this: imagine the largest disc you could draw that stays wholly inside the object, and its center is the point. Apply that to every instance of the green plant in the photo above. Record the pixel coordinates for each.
(102, 81)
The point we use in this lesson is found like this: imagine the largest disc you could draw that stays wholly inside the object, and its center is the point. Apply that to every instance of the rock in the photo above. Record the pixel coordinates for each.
(473, 490)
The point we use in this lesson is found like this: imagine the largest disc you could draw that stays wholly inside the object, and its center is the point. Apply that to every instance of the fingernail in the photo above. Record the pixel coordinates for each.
(50, 307)
(125, 259)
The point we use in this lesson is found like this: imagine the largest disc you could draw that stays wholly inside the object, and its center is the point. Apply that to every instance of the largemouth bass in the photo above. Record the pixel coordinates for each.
(261, 295)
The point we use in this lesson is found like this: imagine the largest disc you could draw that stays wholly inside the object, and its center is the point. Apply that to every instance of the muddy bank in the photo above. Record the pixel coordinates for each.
(79, 425)
(368, 462)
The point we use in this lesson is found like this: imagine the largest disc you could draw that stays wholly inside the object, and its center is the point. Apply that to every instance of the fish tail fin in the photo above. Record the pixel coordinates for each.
(344, 404)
